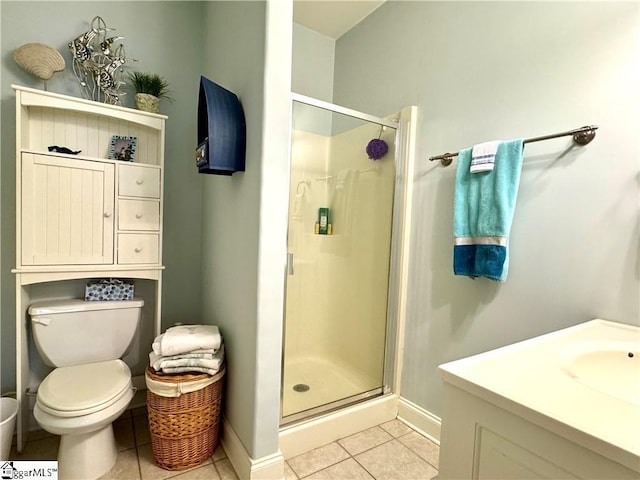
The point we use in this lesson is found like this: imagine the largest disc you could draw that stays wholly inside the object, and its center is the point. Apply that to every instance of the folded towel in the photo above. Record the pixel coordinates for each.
(154, 359)
(186, 338)
(483, 156)
(212, 362)
(483, 213)
(210, 371)
(192, 353)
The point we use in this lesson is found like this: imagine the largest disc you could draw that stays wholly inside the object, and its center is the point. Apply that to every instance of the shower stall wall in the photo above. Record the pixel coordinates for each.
(337, 283)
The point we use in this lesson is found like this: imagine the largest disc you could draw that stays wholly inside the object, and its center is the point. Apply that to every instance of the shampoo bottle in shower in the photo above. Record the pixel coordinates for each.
(323, 220)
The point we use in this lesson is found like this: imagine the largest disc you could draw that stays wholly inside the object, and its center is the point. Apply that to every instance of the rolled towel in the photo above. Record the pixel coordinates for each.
(187, 338)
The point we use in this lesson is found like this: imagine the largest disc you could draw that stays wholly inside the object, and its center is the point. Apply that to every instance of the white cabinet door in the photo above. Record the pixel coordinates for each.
(67, 211)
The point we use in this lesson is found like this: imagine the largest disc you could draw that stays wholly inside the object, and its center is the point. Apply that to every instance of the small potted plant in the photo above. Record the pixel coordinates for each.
(149, 88)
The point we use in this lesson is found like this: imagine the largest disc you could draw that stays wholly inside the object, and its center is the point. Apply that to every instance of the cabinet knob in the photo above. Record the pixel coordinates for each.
(138, 215)
(139, 181)
(107, 214)
(137, 249)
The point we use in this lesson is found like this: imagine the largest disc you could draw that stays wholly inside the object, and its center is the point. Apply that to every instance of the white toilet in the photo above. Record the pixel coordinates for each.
(90, 386)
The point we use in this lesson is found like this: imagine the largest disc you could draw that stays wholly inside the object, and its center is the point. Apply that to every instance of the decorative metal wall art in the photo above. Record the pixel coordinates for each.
(98, 63)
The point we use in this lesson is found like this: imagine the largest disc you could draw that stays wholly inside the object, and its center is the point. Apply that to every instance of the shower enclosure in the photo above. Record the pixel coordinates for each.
(339, 253)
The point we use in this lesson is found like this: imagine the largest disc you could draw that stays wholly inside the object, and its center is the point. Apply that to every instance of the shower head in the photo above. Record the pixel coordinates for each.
(306, 183)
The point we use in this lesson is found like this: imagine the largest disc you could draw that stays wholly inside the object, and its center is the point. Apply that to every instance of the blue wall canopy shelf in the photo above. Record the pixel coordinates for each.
(222, 131)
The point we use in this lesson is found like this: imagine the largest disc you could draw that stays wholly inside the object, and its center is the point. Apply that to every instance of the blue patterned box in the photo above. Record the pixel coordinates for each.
(108, 289)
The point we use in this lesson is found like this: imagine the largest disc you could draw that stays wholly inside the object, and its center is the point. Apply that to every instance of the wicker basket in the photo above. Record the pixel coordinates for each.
(184, 429)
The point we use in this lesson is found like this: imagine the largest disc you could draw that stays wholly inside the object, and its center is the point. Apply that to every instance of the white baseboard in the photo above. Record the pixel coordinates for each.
(328, 428)
(270, 467)
(419, 419)
(295, 440)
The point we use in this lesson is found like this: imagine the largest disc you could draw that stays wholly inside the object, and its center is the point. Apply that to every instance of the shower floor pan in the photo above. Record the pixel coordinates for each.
(311, 383)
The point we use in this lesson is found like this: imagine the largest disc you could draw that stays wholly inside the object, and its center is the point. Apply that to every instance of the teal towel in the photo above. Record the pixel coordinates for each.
(483, 210)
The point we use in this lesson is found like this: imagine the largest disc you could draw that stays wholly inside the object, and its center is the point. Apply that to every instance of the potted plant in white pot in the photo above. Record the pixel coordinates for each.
(149, 88)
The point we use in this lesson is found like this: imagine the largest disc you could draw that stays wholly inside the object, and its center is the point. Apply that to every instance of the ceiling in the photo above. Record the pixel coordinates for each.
(332, 18)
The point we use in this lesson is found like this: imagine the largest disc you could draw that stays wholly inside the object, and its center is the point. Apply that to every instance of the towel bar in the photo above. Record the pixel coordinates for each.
(581, 136)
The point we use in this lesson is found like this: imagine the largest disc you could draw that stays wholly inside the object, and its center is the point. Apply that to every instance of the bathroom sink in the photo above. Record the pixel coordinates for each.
(611, 369)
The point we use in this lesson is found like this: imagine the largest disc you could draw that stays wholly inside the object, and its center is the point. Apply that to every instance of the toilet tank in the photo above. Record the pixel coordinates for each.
(72, 332)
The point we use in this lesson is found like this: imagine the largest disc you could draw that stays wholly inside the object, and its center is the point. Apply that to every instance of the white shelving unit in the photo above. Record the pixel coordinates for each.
(85, 216)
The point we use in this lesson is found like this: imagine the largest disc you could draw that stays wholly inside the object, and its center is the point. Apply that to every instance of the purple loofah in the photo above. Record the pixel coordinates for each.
(377, 149)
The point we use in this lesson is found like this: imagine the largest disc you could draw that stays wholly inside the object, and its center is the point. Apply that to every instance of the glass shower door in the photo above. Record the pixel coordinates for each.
(339, 242)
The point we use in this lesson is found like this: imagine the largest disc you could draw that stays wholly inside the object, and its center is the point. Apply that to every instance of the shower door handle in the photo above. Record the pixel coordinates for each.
(290, 263)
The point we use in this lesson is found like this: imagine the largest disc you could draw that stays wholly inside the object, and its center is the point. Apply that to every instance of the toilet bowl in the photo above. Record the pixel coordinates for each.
(91, 387)
(84, 421)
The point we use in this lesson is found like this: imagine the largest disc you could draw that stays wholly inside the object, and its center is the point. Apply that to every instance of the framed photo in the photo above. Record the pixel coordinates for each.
(123, 148)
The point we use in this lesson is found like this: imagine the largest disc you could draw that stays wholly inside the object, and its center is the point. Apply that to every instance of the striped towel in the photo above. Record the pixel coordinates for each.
(483, 156)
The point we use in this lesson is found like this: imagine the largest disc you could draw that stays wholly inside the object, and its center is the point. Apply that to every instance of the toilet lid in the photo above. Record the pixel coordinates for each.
(84, 387)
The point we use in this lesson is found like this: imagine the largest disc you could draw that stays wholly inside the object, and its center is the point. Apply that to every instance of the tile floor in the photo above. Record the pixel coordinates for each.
(135, 458)
(390, 451)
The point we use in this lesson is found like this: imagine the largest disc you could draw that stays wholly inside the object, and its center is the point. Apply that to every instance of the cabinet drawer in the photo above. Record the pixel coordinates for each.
(138, 214)
(137, 181)
(138, 248)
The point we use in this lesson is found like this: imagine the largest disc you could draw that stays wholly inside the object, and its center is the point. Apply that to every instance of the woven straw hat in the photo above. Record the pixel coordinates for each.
(38, 59)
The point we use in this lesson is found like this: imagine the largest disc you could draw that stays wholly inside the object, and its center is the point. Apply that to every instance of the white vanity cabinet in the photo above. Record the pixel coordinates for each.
(83, 216)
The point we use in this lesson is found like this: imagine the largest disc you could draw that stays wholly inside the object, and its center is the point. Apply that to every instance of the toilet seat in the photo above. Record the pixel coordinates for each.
(84, 389)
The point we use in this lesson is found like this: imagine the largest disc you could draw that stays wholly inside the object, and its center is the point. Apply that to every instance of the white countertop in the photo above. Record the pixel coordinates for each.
(534, 374)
